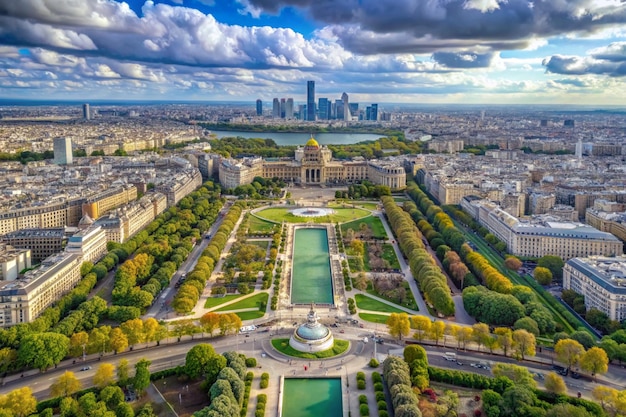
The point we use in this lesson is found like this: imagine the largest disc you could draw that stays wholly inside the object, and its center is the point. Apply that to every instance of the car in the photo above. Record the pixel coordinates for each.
(475, 365)
(459, 363)
(85, 368)
(575, 375)
(342, 331)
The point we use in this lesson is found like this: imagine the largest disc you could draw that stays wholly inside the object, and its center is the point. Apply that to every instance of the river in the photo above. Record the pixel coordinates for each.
(283, 138)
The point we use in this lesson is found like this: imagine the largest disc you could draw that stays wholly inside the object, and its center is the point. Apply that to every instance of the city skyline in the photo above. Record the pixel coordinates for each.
(471, 51)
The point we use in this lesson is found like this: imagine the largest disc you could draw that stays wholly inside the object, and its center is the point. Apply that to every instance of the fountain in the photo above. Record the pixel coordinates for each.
(312, 336)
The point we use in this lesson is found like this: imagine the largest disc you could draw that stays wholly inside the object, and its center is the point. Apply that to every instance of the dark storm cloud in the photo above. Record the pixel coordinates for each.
(463, 59)
(489, 23)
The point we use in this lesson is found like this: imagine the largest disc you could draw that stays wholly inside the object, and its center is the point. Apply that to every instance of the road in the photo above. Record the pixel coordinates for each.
(161, 307)
(172, 353)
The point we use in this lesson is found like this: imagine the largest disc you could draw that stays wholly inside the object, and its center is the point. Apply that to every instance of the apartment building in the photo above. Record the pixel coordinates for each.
(90, 244)
(21, 301)
(12, 261)
(541, 236)
(41, 242)
(602, 280)
(114, 197)
(182, 184)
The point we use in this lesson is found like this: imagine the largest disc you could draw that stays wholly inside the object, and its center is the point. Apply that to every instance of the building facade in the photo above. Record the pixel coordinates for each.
(62, 148)
(12, 261)
(602, 280)
(114, 197)
(312, 165)
(310, 101)
(41, 242)
(90, 244)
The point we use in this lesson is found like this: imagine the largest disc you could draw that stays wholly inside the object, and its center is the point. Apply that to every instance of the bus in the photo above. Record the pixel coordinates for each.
(247, 329)
(449, 356)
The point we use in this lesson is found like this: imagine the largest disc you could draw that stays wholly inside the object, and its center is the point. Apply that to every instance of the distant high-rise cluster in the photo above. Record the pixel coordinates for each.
(86, 112)
(324, 109)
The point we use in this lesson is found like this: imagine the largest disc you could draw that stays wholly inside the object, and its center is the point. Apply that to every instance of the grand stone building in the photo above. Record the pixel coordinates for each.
(312, 165)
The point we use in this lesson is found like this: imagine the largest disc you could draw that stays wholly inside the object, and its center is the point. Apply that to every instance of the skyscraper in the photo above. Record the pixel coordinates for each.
(372, 112)
(289, 109)
(310, 100)
(346, 107)
(86, 112)
(323, 109)
(62, 148)
(282, 108)
(276, 108)
(259, 107)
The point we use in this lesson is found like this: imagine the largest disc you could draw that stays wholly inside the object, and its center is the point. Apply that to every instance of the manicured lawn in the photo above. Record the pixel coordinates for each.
(373, 318)
(366, 303)
(215, 301)
(373, 222)
(410, 301)
(282, 345)
(251, 315)
(260, 243)
(279, 214)
(256, 225)
(390, 256)
(250, 302)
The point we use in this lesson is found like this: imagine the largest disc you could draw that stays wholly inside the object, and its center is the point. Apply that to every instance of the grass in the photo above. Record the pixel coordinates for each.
(374, 318)
(250, 302)
(215, 301)
(373, 222)
(250, 315)
(410, 304)
(366, 303)
(256, 225)
(354, 264)
(260, 243)
(282, 345)
(341, 215)
(390, 256)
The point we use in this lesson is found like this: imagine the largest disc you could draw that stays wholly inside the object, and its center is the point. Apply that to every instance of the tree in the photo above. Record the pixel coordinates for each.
(202, 360)
(464, 335)
(20, 401)
(399, 325)
(607, 397)
(555, 384)
(448, 403)
(133, 329)
(527, 324)
(105, 375)
(422, 326)
(520, 375)
(567, 410)
(210, 322)
(437, 331)
(480, 333)
(505, 338)
(118, 340)
(65, 386)
(569, 352)
(78, 343)
(513, 263)
(141, 380)
(543, 275)
(595, 360)
(554, 264)
(43, 350)
(123, 374)
(523, 343)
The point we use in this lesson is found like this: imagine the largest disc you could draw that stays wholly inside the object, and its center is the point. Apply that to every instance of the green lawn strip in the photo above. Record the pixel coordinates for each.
(250, 302)
(366, 259)
(279, 214)
(495, 260)
(282, 345)
(373, 222)
(215, 301)
(260, 243)
(389, 254)
(257, 225)
(354, 264)
(250, 315)
(412, 305)
(373, 318)
(367, 303)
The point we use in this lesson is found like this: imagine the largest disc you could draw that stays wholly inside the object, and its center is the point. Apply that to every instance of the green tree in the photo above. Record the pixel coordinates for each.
(520, 375)
(123, 373)
(43, 350)
(66, 385)
(202, 360)
(554, 264)
(567, 410)
(527, 324)
(141, 380)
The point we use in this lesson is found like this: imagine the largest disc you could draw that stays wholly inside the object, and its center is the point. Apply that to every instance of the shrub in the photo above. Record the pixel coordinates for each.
(259, 413)
(360, 384)
(376, 377)
(374, 363)
(250, 362)
(360, 376)
(378, 386)
(383, 413)
(364, 410)
(261, 399)
(382, 405)
(380, 396)
(362, 399)
(265, 380)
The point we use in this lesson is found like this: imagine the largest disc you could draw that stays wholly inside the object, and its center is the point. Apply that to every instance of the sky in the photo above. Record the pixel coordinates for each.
(387, 51)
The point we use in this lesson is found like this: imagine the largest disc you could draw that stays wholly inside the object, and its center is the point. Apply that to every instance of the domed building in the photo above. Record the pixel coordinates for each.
(312, 336)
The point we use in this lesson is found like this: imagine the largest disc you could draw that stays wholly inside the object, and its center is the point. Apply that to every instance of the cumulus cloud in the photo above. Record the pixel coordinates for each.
(608, 60)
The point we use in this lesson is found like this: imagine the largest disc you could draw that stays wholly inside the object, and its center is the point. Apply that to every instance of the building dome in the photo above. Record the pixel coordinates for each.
(312, 336)
(312, 143)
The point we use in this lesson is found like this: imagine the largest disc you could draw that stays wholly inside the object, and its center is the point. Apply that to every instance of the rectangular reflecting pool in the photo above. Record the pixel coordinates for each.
(311, 277)
(312, 397)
